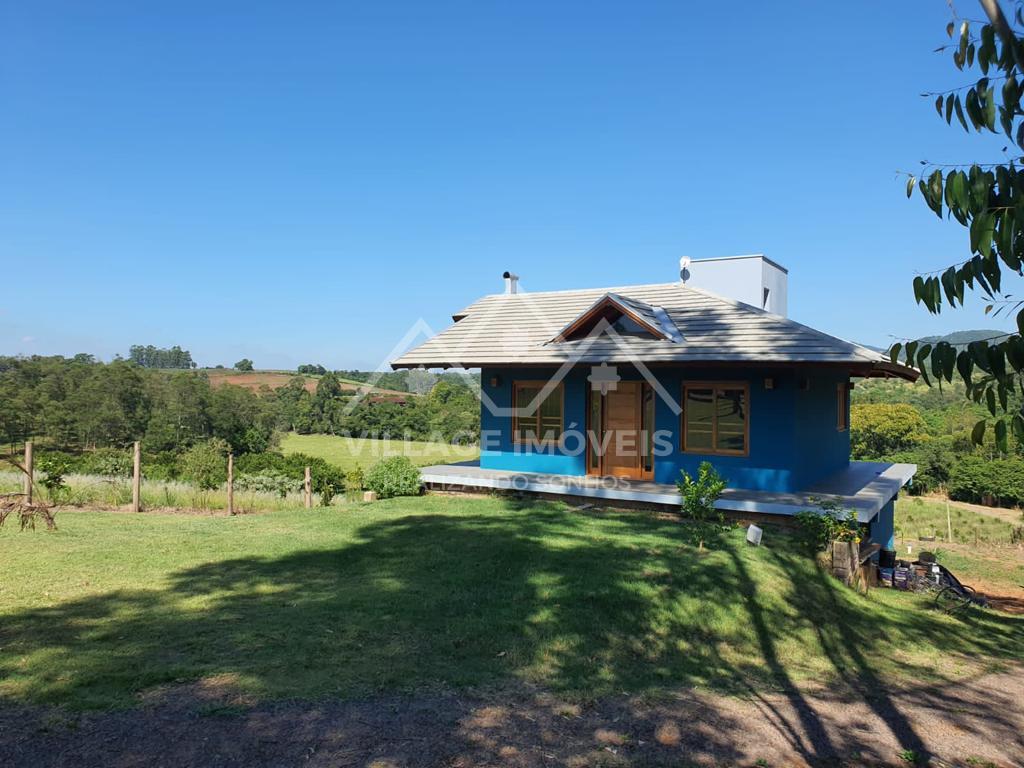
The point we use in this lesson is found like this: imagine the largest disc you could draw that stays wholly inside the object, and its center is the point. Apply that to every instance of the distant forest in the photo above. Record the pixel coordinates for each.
(78, 403)
(154, 357)
(931, 427)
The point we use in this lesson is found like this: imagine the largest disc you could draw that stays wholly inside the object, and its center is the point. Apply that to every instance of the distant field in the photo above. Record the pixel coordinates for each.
(346, 452)
(255, 379)
(917, 517)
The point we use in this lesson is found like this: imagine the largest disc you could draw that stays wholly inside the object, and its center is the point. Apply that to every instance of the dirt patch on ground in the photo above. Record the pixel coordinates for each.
(1001, 597)
(976, 722)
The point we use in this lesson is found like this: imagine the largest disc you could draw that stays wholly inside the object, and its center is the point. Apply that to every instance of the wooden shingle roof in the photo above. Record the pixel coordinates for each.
(517, 329)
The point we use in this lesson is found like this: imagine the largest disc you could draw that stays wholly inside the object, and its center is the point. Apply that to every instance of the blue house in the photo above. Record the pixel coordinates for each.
(611, 392)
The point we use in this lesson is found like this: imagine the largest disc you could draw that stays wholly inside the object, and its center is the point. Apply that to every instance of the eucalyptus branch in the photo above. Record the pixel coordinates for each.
(993, 79)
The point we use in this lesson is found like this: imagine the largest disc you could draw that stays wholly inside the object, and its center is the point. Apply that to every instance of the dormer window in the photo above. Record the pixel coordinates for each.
(622, 317)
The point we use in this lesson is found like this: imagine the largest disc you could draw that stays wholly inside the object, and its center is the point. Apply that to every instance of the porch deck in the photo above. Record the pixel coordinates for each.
(864, 486)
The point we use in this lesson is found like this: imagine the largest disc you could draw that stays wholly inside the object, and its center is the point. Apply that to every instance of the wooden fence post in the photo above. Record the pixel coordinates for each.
(308, 490)
(231, 484)
(28, 472)
(137, 477)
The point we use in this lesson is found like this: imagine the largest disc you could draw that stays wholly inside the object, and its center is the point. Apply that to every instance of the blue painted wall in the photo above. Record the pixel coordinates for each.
(793, 435)
(883, 528)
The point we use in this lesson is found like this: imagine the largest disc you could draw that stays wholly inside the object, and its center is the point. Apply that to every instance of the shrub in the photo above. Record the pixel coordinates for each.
(205, 464)
(699, 497)
(700, 494)
(271, 481)
(162, 465)
(108, 462)
(53, 468)
(829, 523)
(294, 466)
(394, 476)
(355, 479)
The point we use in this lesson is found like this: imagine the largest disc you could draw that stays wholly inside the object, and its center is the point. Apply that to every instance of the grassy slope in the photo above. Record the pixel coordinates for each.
(346, 452)
(916, 517)
(446, 591)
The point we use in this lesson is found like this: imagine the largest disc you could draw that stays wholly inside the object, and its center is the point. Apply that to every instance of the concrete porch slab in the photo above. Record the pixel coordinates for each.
(864, 487)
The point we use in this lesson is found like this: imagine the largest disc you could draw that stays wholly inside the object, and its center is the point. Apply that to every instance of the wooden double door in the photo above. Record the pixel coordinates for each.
(620, 429)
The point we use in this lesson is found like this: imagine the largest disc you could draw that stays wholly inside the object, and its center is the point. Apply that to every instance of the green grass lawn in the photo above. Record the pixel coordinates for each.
(347, 452)
(420, 593)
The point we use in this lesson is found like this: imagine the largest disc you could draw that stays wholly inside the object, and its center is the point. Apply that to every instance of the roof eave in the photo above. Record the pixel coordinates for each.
(861, 368)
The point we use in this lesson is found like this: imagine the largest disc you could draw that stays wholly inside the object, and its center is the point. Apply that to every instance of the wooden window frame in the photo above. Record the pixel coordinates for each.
(713, 450)
(559, 389)
(842, 407)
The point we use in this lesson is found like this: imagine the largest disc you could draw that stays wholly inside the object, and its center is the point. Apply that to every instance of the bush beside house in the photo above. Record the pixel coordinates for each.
(394, 476)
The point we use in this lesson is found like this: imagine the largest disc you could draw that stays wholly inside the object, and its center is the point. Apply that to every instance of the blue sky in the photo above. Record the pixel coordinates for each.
(301, 182)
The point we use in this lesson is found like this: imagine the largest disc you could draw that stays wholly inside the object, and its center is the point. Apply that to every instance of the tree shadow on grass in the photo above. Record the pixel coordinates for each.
(582, 605)
(542, 594)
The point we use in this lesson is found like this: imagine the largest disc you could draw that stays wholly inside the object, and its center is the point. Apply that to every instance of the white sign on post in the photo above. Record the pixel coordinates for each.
(754, 535)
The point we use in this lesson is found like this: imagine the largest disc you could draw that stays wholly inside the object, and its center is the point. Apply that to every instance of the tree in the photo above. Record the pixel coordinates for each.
(245, 364)
(152, 357)
(205, 464)
(987, 199)
(877, 430)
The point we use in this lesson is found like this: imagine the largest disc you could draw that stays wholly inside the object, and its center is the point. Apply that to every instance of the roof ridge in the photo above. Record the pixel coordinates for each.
(611, 289)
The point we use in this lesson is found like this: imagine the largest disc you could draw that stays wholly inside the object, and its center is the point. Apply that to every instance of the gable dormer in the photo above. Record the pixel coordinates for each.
(622, 316)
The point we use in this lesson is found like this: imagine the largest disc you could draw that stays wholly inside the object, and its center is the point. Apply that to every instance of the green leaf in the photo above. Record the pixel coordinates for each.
(1020, 322)
(922, 357)
(1000, 429)
(990, 400)
(989, 103)
(939, 103)
(974, 111)
(978, 433)
(910, 185)
(949, 285)
(979, 353)
(956, 195)
(1014, 348)
(894, 352)
(959, 109)
(978, 267)
(949, 109)
(1018, 427)
(948, 361)
(909, 351)
(918, 289)
(997, 360)
(982, 227)
(965, 365)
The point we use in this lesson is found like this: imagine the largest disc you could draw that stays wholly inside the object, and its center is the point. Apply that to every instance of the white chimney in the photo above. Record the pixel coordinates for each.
(753, 279)
(511, 282)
